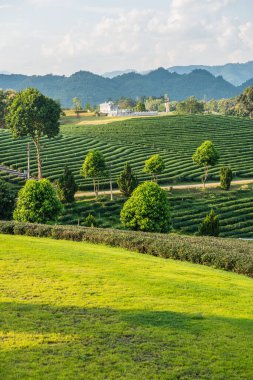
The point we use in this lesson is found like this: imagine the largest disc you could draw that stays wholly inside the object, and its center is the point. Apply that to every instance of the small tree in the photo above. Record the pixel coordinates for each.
(190, 105)
(94, 167)
(226, 176)
(90, 221)
(140, 107)
(205, 156)
(210, 225)
(37, 203)
(127, 181)
(66, 186)
(7, 200)
(33, 114)
(154, 166)
(77, 106)
(147, 209)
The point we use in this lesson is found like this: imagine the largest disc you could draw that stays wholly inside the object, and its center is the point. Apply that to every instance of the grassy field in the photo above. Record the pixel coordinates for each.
(134, 140)
(75, 310)
(188, 208)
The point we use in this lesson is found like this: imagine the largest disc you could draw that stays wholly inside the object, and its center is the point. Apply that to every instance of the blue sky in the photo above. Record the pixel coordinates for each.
(64, 36)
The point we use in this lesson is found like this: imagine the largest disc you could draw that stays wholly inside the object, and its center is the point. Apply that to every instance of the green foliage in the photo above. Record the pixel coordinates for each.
(210, 225)
(90, 221)
(7, 200)
(94, 167)
(205, 156)
(77, 105)
(126, 103)
(66, 186)
(147, 209)
(226, 176)
(140, 107)
(37, 203)
(34, 115)
(244, 103)
(190, 106)
(154, 166)
(127, 181)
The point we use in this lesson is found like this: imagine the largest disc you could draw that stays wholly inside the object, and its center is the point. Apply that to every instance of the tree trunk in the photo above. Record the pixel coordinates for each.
(205, 176)
(37, 146)
(95, 184)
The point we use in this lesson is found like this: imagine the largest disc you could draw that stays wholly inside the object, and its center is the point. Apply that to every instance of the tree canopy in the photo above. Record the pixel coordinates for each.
(147, 209)
(154, 166)
(34, 115)
(205, 156)
(127, 181)
(66, 186)
(94, 167)
(244, 103)
(37, 203)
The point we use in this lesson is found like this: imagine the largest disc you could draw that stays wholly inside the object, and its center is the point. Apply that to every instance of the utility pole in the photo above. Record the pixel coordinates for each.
(111, 182)
(28, 161)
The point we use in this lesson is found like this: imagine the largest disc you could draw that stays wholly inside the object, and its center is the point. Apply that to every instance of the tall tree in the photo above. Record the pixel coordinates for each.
(127, 181)
(34, 115)
(140, 107)
(94, 167)
(205, 156)
(244, 104)
(154, 166)
(191, 106)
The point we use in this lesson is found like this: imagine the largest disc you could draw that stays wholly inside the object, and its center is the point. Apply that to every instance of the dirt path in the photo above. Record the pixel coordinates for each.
(176, 187)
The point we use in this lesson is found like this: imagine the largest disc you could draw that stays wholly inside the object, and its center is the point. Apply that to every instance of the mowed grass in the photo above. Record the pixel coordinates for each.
(80, 311)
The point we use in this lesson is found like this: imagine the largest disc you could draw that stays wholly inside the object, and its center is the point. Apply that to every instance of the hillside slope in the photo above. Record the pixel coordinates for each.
(75, 310)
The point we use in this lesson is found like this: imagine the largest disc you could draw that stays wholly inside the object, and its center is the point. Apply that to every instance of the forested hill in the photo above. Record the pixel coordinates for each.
(96, 89)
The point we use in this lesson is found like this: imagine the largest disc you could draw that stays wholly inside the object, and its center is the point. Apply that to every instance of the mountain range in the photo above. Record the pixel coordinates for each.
(95, 89)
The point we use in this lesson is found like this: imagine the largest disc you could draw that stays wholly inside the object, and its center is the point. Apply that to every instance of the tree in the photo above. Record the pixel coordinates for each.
(244, 102)
(77, 106)
(205, 156)
(94, 167)
(147, 209)
(35, 115)
(37, 203)
(191, 106)
(127, 181)
(66, 186)
(154, 166)
(140, 107)
(7, 200)
(210, 225)
(226, 176)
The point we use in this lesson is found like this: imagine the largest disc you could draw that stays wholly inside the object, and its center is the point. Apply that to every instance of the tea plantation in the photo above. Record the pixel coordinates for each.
(80, 311)
(134, 140)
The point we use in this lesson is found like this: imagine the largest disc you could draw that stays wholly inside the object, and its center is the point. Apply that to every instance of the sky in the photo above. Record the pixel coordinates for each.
(65, 36)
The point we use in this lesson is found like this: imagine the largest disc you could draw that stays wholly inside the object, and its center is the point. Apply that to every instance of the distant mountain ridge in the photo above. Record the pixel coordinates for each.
(95, 89)
(235, 73)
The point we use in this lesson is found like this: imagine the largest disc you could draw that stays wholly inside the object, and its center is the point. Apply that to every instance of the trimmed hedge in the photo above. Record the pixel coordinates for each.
(227, 254)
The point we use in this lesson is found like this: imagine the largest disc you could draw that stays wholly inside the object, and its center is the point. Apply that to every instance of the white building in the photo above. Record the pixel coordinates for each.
(108, 108)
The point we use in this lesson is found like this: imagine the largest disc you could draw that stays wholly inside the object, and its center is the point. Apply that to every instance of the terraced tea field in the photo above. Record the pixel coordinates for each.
(134, 140)
(188, 208)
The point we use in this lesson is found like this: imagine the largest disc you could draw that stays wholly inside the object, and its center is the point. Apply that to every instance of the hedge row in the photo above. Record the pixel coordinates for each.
(227, 254)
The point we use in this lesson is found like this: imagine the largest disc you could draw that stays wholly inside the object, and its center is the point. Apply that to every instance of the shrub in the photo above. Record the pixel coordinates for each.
(226, 176)
(7, 200)
(66, 186)
(37, 203)
(147, 209)
(210, 225)
(90, 221)
(127, 181)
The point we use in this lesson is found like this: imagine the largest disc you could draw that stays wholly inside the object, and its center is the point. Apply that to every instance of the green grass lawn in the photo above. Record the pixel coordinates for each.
(80, 311)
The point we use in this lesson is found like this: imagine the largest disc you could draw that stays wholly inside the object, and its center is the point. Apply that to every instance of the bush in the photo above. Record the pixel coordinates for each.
(90, 221)
(210, 225)
(7, 200)
(226, 176)
(147, 209)
(66, 186)
(127, 181)
(37, 203)
(227, 254)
